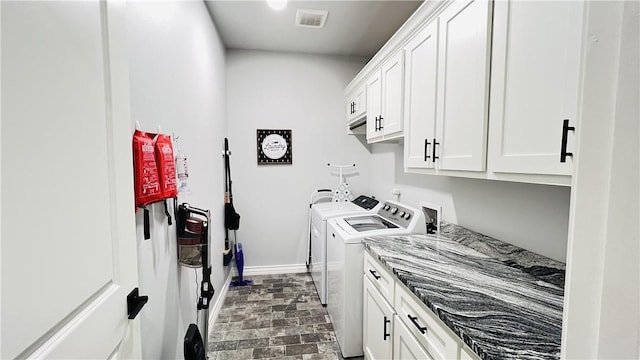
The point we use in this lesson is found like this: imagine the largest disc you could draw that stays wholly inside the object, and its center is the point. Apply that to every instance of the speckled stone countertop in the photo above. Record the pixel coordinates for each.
(504, 302)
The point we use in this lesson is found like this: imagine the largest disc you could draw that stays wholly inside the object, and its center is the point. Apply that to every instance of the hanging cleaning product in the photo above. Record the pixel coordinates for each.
(183, 171)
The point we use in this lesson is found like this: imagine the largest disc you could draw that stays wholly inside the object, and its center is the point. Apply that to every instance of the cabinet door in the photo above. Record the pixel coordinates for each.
(360, 100)
(467, 354)
(534, 85)
(405, 346)
(392, 95)
(374, 105)
(377, 324)
(421, 66)
(463, 72)
(349, 107)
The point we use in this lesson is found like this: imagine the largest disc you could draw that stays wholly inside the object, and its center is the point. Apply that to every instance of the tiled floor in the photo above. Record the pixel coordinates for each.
(279, 317)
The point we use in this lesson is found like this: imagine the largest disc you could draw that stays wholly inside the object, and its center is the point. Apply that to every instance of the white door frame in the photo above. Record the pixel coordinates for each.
(602, 292)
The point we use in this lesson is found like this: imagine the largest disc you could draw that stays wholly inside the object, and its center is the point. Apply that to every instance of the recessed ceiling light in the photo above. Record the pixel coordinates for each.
(277, 4)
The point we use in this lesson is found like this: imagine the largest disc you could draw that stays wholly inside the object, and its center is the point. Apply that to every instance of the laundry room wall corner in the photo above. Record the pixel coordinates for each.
(177, 80)
(303, 93)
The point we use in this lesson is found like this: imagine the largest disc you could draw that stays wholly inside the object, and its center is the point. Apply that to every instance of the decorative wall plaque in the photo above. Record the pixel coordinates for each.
(274, 147)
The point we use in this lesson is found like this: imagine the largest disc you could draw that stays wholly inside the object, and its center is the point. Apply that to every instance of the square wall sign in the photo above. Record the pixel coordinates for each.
(274, 147)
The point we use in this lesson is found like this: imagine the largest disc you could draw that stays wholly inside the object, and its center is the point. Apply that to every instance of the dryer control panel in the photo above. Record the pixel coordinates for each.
(366, 202)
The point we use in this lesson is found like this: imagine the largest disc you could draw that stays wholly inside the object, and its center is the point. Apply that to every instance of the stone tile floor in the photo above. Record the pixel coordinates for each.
(278, 317)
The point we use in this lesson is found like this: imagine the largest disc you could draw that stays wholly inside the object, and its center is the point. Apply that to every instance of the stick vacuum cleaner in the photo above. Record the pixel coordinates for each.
(240, 265)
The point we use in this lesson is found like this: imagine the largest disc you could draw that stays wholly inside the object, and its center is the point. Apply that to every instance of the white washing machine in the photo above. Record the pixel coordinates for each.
(345, 261)
(320, 213)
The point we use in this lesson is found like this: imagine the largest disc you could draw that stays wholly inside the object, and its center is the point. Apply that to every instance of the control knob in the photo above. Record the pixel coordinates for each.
(394, 210)
(407, 216)
(402, 214)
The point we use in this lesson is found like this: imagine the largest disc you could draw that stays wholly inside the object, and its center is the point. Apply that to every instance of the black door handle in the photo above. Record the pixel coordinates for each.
(414, 320)
(384, 331)
(426, 144)
(376, 124)
(563, 148)
(135, 303)
(380, 127)
(375, 274)
(433, 154)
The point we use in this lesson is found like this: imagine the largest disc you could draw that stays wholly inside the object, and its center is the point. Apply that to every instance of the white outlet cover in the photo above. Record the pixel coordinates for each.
(432, 214)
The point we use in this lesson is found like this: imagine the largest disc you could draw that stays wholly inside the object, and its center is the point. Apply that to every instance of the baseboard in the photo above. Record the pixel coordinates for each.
(271, 269)
(215, 310)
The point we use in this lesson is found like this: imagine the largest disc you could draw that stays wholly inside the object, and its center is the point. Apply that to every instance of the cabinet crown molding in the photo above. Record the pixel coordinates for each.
(426, 11)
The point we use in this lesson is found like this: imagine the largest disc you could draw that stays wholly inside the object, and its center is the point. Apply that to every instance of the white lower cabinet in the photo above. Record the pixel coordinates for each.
(406, 347)
(402, 327)
(467, 354)
(429, 331)
(377, 325)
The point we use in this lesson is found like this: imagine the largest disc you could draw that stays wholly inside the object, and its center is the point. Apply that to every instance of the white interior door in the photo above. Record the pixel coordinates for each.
(68, 231)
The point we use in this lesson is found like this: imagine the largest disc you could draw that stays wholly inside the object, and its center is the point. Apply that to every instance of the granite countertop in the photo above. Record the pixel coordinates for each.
(504, 302)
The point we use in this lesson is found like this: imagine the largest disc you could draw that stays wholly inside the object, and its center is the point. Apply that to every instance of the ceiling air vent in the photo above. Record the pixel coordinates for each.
(311, 18)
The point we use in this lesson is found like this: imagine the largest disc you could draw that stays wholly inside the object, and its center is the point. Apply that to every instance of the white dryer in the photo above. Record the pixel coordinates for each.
(345, 262)
(320, 213)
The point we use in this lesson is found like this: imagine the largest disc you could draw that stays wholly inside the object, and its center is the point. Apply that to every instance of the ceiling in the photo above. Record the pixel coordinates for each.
(353, 28)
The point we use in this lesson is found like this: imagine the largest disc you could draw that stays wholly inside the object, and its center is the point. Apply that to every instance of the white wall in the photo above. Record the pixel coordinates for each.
(178, 81)
(533, 217)
(303, 93)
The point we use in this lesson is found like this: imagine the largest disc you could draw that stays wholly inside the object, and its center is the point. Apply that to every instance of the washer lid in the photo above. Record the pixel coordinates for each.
(369, 223)
(333, 209)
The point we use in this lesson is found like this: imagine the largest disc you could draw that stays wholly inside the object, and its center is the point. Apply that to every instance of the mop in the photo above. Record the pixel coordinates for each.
(343, 192)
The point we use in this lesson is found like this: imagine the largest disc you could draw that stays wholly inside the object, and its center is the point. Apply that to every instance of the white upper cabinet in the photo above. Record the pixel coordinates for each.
(360, 102)
(534, 85)
(463, 85)
(392, 90)
(385, 94)
(350, 107)
(480, 89)
(421, 75)
(356, 105)
(374, 105)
